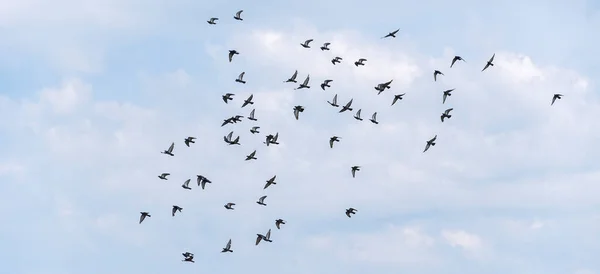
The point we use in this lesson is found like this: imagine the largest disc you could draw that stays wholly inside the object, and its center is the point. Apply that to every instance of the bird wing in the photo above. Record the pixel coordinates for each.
(362, 60)
(358, 113)
(448, 110)
(444, 99)
(239, 13)
(296, 113)
(427, 147)
(331, 140)
(273, 179)
(328, 81)
(258, 238)
(334, 101)
(492, 59)
(250, 98)
(326, 44)
(453, 61)
(308, 41)
(253, 153)
(268, 236)
(171, 147)
(187, 182)
(228, 246)
(294, 75)
(142, 217)
(395, 99)
(241, 76)
(174, 210)
(262, 199)
(349, 104)
(306, 80)
(353, 173)
(230, 56)
(252, 113)
(553, 99)
(374, 117)
(433, 139)
(229, 136)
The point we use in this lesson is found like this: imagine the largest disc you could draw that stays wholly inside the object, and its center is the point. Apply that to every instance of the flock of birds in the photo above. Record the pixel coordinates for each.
(273, 139)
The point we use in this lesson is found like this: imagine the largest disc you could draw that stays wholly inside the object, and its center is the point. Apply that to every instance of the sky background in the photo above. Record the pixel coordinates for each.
(91, 91)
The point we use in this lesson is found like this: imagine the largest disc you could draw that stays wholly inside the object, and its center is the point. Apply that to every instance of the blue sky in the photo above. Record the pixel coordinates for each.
(92, 91)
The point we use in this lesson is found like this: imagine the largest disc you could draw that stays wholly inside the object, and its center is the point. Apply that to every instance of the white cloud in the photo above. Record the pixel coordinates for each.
(469, 242)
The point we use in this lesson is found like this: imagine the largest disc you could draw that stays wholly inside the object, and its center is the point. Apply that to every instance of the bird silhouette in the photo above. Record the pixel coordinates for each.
(227, 247)
(143, 216)
(232, 53)
(446, 114)
(227, 97)
(169, 151)
(374, 118)
(446, 94)
(270, 182)
(489, 63)
(326, 84)
(261, 200)
(325, 46)
(556, 96)
(279, 222)
(332, 140)
(248, 101)
(436, 73)
(456, 58)
(336, 60)
(354, 169)
(297, 110)
(397, 97)
(333, 102)
(357, 115)
(189, 140)
(430, 143)
(238, 15)
(293, 78)
(175, 209)
(164, 176)
(230, 206)
(251, 156)
(305, 44)
(360, 62)
(213, 20)
(240, 78)
(350, 211)
(347, 106)
(391, 34)
(251, 117)
(305, 83)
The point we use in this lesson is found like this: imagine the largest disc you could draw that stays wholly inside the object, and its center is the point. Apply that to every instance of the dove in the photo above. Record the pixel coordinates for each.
(187, 254)
(238, 15)
(333, 102)
(270, 182)
(435, 74)
(357, 115)
(360, 62)
(304, 84)
(305, 44)
(446, 114)
(279, 222)
(326, 84)
(297, 110)
(456, 58)
(556, 96)
(430, 143)
(489, 63)
(337, 59)
(186, 184)
(143, 216)
(189, 140)
(164, 176)
(227, 121)
(325, 46)
(270, 139)
(202, 181)
(227, 247)
(213, 20)
(397, 97)
(251, 156)
(254, 130)
(293, 78)
(261, 200)
(374, 118)
(231, 54)
(228, 138)
(350, 211)
(381, 87)
(347, 106)
(391, 34)
(169, 151)
(248, 101)
(237, 118)
(333, 139)
(354, 169)
(228, 97)
(446, 94)
(251, 117)
(175, 209)
(230, 206)
(240, 78)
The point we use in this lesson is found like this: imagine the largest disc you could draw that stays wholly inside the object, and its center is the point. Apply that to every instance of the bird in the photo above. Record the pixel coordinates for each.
(227, 97)
(230, 206)
(347, 106)
(238, 15)
(228, 138)
(305, 44)
(143, 216)
(456, 58)
(350, 211)
(202, 181)
(212, 20)
(357, 115)
(261, 200)
(397, 97)
(259, 237)
(251, 117)
(251, 156)
(297, 110)
(175, 209)
(391, 34)
(227, 121)
(169, 151)
(337, 59)
(435, 74)
(430, 143)
(164, 176)
(189, 259)
(381, 87)
(240, 78)
(333, 139)
(237, 118)
(446, 114)
(270, 139)
(186, 184)
(360, 62)
(325, 46)
(305, 83)
(267, 237)
(333, 102)
(227, 247)
(189, 140)
(187, 254)
(270, 182)
(556, 96)
(254, 130)
(446, 94)
(293, 78)
(231, 54)
(248, 101)
(354, 169)
(326, 84)
(279, 222)
(489, 63)
(374, 118)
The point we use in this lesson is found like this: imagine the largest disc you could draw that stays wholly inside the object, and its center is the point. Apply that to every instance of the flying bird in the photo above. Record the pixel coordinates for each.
(381, 87)
(231, 54)
(238, 15)
(227, 97)
(325, 46)
(374, 118)
(337, 59)
(189, 140)
(446, 94)
(350, 211)
(357, 115)
(297, 110)
(305, 83)
(347, 106)
(270, 139)
(293, 78)
(333, 102)
(556, 96)
(360, 62)
(391, 34)
(230, 206)
(456, 58)
(436, 73)
(279, 222)
(240, 78)
(187, 254)
(270, 182)
(169, 151)
(305, 44)
(267, 237)
(333, 139)
(430, 143)
(397, 97)
(228, 139)
(227, 247)
(489, 63)
(251, 156)
(248, 101)
(354, 169)
(202, 181)
(446, 114)
(164, 176)
(213, 20)
(254, 130)
(251, 117)
(237, 118)
(326, 84)
(261, 200)
(189, 259)
(143, 216)
(186, 184)
(175, 209)
(228, 121)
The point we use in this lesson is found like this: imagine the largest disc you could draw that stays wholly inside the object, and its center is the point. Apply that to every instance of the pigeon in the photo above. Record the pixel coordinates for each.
(430, 143)
(305, 44)
(164, 176)
(397, 97)
(261, 200)
(337, 59)
(347, 106)
(270, 182)
(186, 184)
(350, 211)
(489, 63)
(251, 156)
(357, 115)
(238, 15)
(231, 54)
(187, 255)
(446, 94)
(333, 139)
(202, 181)
(333, 102)
(248, 101)
(374, 118)
(270, 139)
(446, 114)
(254, 130)
(293, 78)
(189, 140)
(436, 73)
(237, 118)
(279, 222)
(228, 121)
(169, 151)
(267, 237)
(360, 62)
(228, 97)
(354, 169)
(240, 78)
(251, 117)
(228, 138)
(175, 209)
(391, 34)
(230, 206)
(189, 259)
(381, 87)
(556, 96)
(297, 110)
(325, 46)
(143, 216)
(456, 58)
(227, 247)
(212, 20)
(326, 84)
(305, 83)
